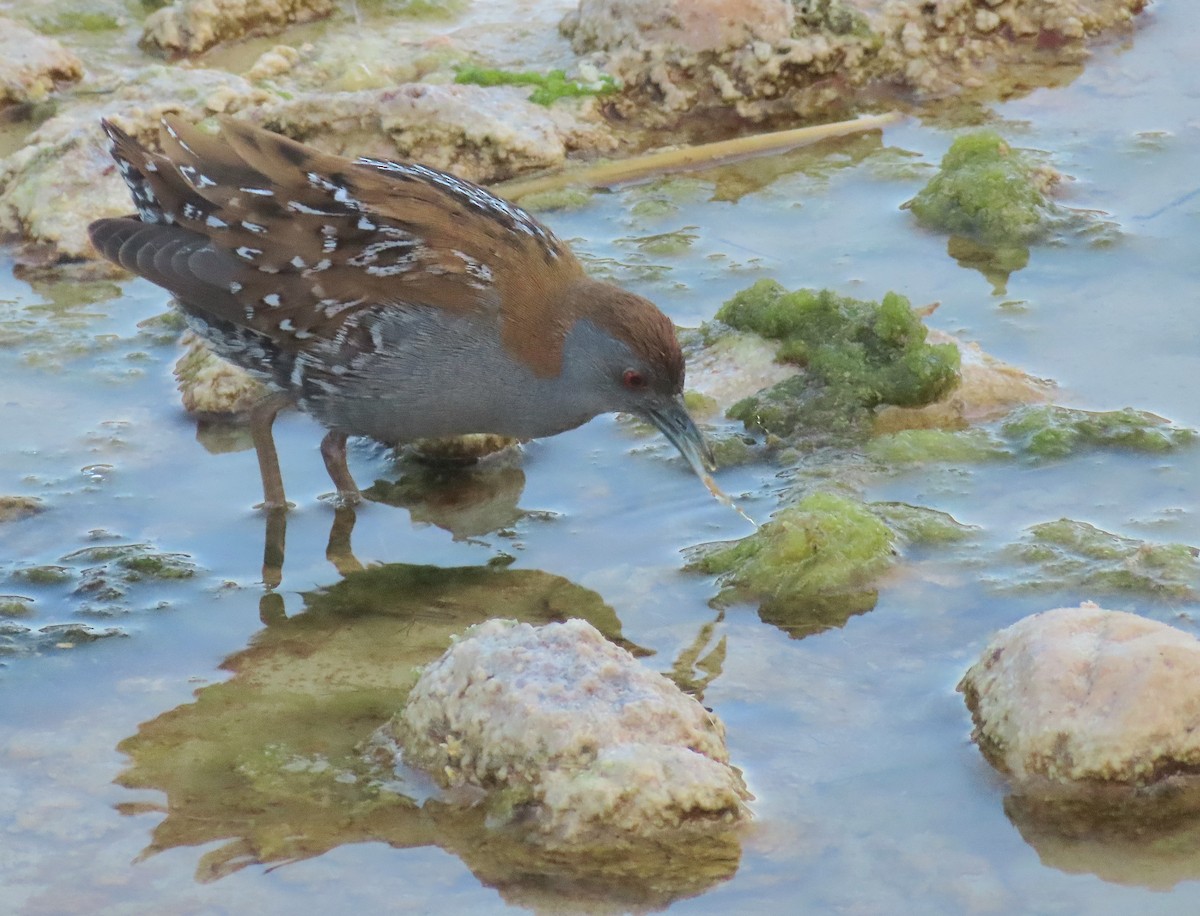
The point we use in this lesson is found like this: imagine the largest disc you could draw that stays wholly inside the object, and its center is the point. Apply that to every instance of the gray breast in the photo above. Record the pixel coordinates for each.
(398, 373)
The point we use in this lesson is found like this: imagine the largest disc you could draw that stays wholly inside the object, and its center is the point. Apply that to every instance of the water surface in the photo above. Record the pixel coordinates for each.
(870, 797)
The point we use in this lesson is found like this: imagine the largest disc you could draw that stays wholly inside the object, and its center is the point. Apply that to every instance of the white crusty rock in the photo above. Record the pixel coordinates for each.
(210, 386)
(691, 25)
(192, 26)
(31, 65)
(766, 57)
(1088, 696)
(586, 743)
(483, 134)
(63, 177)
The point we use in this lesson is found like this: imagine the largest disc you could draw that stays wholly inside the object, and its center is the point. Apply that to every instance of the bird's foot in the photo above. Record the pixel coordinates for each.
(275, 505)
(343, 499)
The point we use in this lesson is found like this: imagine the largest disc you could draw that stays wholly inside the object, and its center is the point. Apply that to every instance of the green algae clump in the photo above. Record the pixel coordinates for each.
(857, 355)
(825, 544)
(550, 86)
(1050, 431)
(987, 191)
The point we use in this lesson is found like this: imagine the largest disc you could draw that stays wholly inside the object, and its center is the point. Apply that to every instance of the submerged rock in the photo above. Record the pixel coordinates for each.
(15, 508)
(573, 738)
(31, 65)
(1069, 554)
(1085, 695)
(1052, 431)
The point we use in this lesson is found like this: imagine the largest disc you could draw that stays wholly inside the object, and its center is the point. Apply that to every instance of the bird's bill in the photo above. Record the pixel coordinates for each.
(674, 421)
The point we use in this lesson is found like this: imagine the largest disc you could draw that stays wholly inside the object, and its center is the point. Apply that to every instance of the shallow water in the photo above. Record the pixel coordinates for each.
(870, 797)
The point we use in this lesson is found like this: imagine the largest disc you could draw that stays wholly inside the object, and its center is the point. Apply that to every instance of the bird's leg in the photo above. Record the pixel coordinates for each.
(262, 417)
(273, 547)
(338, 551)
(333, 450)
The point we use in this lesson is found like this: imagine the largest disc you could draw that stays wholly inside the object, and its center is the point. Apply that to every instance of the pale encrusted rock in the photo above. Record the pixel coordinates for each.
(690, 25)
(31, 65)
(192, 26)
(211, 386)
(63, 177)
(767, 58)
(279, 60)
(1086, 695)
(735, 365)
(593, 743)
(480, 133)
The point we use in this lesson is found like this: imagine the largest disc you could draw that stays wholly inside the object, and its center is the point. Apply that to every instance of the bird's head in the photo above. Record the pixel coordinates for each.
(625, 351)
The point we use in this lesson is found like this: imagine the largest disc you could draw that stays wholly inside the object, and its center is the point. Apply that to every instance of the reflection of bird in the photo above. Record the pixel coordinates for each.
(386, 299)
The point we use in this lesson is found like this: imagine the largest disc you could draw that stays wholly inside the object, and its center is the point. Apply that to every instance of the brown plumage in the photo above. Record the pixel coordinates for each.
(387, 299)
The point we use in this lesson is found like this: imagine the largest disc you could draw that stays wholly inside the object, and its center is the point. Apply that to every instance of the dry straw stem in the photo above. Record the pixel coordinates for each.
(691, 157)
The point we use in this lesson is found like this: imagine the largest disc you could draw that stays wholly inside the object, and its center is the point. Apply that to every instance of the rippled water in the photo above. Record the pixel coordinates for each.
(870, 797)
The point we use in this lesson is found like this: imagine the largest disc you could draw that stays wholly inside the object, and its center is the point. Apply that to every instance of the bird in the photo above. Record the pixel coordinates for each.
(386, 299)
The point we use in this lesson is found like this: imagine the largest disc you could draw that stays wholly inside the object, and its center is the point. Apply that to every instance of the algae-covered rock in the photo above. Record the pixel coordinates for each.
(549, 87)
(1086, 695)
(922, 526)
(105, 580)
(928, 446)
(1069, 554)
(588, 745)
(133, 562)
(1039, 432)
(31, 65)
(13, 606)
(856, 355)
(988, 191)
(810, 567)
(192, 26)
(42, 575)
(1051, 431)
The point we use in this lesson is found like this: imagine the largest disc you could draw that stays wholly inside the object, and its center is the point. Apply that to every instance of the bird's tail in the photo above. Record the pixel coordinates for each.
(135, 162)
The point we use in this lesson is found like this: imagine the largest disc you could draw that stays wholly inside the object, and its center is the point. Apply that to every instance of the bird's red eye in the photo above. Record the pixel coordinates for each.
(634, 379)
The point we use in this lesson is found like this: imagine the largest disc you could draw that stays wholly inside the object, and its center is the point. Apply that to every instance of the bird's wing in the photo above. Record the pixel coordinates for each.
(263, 232)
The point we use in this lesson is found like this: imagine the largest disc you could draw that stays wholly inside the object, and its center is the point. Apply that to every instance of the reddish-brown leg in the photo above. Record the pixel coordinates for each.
(262, 418)
(333, 450)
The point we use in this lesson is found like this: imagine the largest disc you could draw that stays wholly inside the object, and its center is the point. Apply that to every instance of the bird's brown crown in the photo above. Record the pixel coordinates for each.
(316, 238)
